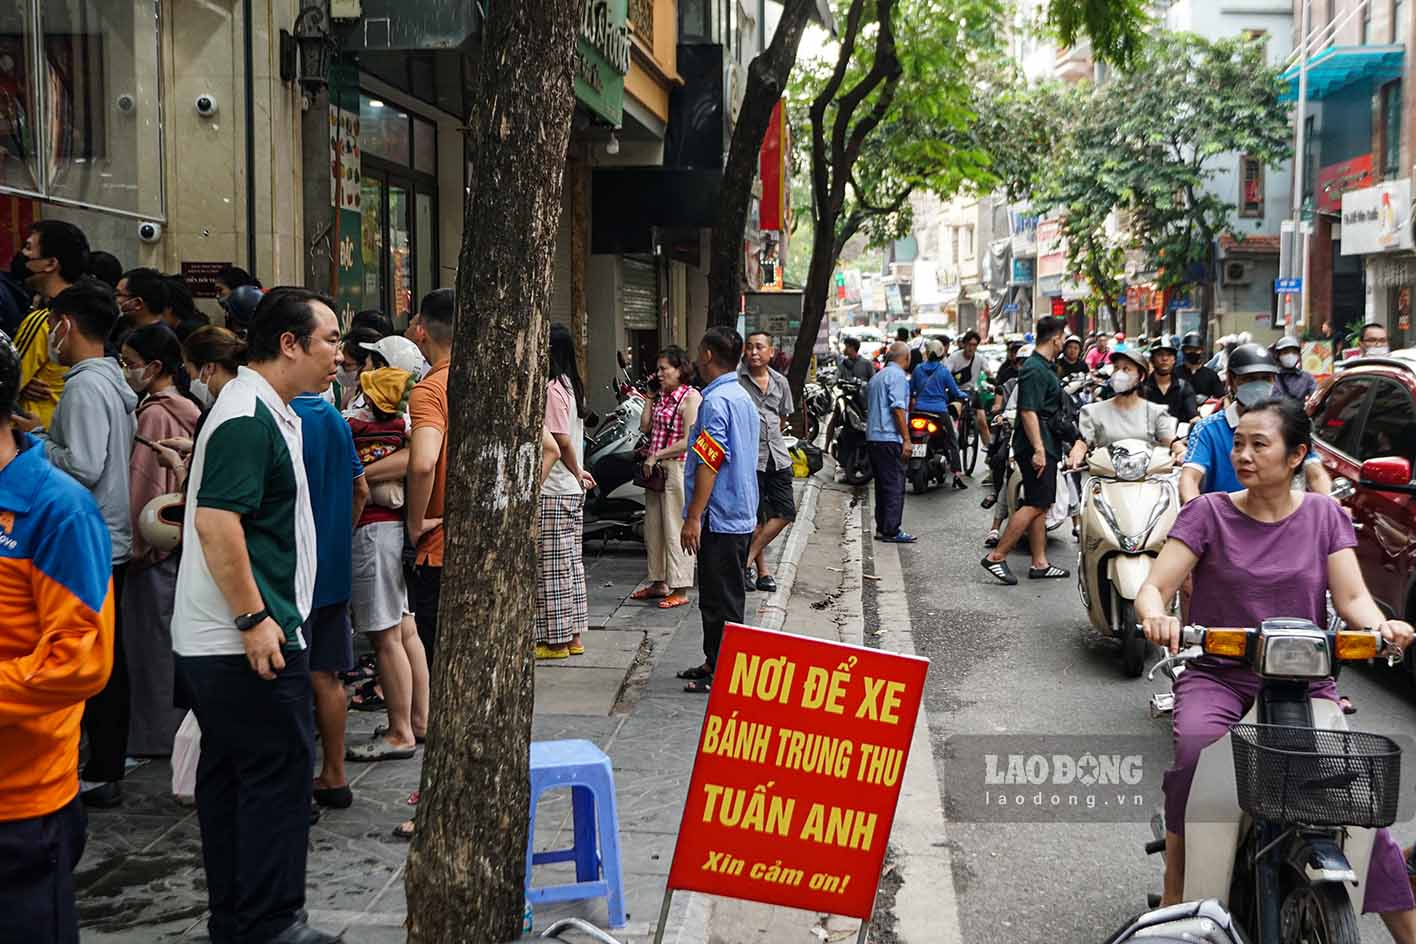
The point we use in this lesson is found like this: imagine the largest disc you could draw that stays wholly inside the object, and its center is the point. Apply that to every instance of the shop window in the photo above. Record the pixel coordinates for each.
(384, 130)
(425, 146)
(80, 104)
(1391, 129)
(1251, 186)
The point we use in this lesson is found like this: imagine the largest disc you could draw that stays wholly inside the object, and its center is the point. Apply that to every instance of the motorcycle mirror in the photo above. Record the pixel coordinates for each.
(620, 359)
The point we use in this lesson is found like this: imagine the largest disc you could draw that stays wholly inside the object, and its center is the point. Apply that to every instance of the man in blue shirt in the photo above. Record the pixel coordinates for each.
(337, 495)
(887, 436)
(1208, 466)
(720, 488)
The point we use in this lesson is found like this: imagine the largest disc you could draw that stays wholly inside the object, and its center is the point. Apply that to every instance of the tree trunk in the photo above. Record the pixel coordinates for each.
(813, 305)
(766, 82)
(466, 864)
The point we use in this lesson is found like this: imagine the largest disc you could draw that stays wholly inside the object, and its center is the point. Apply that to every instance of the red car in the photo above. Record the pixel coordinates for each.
(1364, 428)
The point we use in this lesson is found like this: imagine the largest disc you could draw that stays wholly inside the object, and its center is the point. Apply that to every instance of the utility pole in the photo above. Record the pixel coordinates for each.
(1298, 169)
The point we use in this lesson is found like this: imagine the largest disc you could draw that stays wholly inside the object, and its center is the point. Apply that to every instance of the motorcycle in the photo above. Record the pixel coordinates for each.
(1282, 813)
(614, 508)
(1191, 922)
(845, 431)
(929, 460)
(817, 403)
(1130, 502)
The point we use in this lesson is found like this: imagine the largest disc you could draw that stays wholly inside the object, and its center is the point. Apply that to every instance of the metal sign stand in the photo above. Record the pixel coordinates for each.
(861, 938)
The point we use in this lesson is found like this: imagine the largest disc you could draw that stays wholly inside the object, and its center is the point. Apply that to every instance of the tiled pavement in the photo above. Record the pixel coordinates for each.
(141, 881)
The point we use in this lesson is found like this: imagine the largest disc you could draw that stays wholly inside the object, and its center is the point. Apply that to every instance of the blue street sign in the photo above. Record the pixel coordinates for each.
(1010, 309)
(1288, 286)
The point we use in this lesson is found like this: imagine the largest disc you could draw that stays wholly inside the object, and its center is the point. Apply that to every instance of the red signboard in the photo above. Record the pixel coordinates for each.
(798, 771)
(1337, 179)
(1059, 307)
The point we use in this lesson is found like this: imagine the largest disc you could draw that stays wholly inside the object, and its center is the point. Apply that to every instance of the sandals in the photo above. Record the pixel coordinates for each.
(1047, 573)
(382, 729)
(645, 593)
(988, 501)
(673, 600)
(999, 571)
(404, 830)
(699, 686)
(365, 669)
(376, 750)
(366, 699)
(697, 673)
(336, 798)
(543, 651)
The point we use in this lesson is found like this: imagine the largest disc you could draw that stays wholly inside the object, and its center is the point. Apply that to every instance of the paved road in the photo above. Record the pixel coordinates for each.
(1015, 661)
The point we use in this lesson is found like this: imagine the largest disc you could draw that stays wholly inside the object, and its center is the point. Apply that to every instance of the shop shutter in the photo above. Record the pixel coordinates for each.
(560, 273)
(639, 296)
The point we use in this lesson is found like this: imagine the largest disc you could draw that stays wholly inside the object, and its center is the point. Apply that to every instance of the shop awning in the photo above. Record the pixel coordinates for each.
(1338, 67)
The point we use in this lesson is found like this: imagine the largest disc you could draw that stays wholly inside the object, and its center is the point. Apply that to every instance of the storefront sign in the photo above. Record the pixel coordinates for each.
(201, 277)
(798, 772)
(346, 195)
(1377, 219)
(1336, 179)
(1391, 272)
(1024, 271)
(1022, 224)
(602, 58)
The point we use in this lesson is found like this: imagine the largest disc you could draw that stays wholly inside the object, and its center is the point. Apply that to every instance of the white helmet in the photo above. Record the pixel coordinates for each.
(160, 521)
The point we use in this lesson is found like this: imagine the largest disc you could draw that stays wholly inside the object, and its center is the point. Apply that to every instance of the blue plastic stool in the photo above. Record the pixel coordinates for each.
(586, 769)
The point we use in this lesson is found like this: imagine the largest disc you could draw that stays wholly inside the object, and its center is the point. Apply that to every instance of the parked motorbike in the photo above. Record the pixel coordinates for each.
(816, 400)
(1283, 809)
(1191, 922)
(614, 508)
(845, 431)
(929, 459)
(1128, 506)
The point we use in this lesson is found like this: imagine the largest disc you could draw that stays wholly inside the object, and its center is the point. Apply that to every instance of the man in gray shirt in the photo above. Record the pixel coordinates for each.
(776, 507)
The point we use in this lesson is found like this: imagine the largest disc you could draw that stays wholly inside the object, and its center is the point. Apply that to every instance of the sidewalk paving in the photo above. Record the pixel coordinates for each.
(141, 879)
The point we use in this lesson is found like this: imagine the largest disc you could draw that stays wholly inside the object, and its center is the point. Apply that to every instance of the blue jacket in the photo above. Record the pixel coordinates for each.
(933, 387)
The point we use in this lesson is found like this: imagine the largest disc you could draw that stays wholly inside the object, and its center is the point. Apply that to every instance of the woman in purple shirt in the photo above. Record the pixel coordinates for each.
(1258, 554)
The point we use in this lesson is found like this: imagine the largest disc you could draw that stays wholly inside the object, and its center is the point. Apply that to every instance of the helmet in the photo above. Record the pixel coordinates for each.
(1193, 339)
(1287, 343)
(1251, 359)
(241, 305)
(160, 521)
(1025, 351)
(934, 348)
(1163, 343)
(1133, 354)
(1071, 338)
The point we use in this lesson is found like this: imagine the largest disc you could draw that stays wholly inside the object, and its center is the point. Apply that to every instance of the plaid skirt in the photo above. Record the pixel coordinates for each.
(562, 608)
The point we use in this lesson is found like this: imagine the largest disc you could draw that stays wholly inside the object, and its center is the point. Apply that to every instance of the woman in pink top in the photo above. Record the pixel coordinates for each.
(1261, 553)
(152, 363)
(667, 421)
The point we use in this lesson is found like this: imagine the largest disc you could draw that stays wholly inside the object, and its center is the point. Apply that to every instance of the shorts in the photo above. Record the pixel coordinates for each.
(379, 596)
(774, 496)
(327, 635)
(1038, 491)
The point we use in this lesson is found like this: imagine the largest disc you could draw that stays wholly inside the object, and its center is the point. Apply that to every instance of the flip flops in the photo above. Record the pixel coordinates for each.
(697, 673)
(646, 593)
(699, 686)
(999, 571)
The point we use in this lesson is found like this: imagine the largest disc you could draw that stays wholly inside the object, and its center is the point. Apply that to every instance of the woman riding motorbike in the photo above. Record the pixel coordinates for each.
(1260, 553)
(933, 389)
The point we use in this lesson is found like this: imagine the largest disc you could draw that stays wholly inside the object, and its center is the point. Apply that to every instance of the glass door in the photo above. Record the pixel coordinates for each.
(400, 255)
(371, 206)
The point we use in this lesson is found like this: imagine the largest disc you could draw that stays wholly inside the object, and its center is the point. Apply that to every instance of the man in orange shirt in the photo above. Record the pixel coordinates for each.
(56, 651)
(431, 330)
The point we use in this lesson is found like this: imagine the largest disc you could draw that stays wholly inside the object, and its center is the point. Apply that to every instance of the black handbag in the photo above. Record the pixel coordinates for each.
(654, 481)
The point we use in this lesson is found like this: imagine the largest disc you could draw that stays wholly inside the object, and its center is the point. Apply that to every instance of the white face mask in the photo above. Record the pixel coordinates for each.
(347, 377)
(137, 380)
(202, 392)
(55, 343)
(1123, 381)
(1377, 350)
(1288, 360)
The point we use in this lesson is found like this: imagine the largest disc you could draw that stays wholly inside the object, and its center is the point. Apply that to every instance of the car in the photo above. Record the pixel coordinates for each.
(1364, 431)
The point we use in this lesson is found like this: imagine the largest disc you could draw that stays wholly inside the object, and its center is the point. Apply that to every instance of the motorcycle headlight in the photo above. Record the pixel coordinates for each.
(1295, 656)
(1129, 466)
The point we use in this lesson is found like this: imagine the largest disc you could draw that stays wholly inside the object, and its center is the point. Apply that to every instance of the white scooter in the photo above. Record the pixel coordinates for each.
(1283, 809)
(1128, 506)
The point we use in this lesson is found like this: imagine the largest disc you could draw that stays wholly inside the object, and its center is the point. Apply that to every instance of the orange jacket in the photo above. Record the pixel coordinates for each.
(56, 629)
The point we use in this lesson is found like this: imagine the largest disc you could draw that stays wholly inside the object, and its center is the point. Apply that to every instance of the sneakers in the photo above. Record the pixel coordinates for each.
(999, 571)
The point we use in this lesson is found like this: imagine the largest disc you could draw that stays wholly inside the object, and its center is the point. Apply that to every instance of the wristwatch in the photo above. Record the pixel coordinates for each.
(249, 621)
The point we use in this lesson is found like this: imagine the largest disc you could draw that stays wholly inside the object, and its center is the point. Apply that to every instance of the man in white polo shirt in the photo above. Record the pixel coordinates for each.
(244, 588)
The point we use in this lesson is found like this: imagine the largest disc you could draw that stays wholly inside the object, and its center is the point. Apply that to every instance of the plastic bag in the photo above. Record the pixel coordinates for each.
(186, 751)
(1061, 505)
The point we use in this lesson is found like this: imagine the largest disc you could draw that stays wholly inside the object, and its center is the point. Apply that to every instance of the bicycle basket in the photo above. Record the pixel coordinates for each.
(1316, 778)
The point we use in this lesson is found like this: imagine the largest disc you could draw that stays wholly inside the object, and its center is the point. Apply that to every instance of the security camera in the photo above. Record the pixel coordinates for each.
(149, 232)
(126, 103)
(206, 105)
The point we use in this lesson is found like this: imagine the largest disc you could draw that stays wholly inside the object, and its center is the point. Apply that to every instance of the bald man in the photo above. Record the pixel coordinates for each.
(887, 436)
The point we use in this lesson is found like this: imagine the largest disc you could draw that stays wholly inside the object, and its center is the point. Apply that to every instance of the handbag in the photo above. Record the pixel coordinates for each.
(654, 481)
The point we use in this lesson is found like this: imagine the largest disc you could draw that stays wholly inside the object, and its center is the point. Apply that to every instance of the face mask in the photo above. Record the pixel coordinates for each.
(1123, 381)
(55, 343)
(1192, 357)
(137, 380)
(1288, 360)
(1252, 392)
(202, 392)
(1377, 350)
(346, 377)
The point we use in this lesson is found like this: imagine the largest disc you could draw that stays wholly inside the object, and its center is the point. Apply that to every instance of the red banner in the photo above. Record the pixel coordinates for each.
(772, 167)
(798, 771)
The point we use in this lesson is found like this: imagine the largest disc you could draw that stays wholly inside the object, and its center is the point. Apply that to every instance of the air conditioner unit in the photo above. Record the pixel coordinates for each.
(1238, 273)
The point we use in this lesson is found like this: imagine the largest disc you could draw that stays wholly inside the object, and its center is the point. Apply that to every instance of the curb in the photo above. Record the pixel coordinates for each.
(773, 613)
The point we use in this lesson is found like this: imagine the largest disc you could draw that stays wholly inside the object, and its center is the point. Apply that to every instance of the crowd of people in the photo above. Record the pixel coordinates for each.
(200, 518)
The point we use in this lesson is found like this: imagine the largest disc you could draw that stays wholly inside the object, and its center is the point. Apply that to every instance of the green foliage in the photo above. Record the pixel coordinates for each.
(1116, 27)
